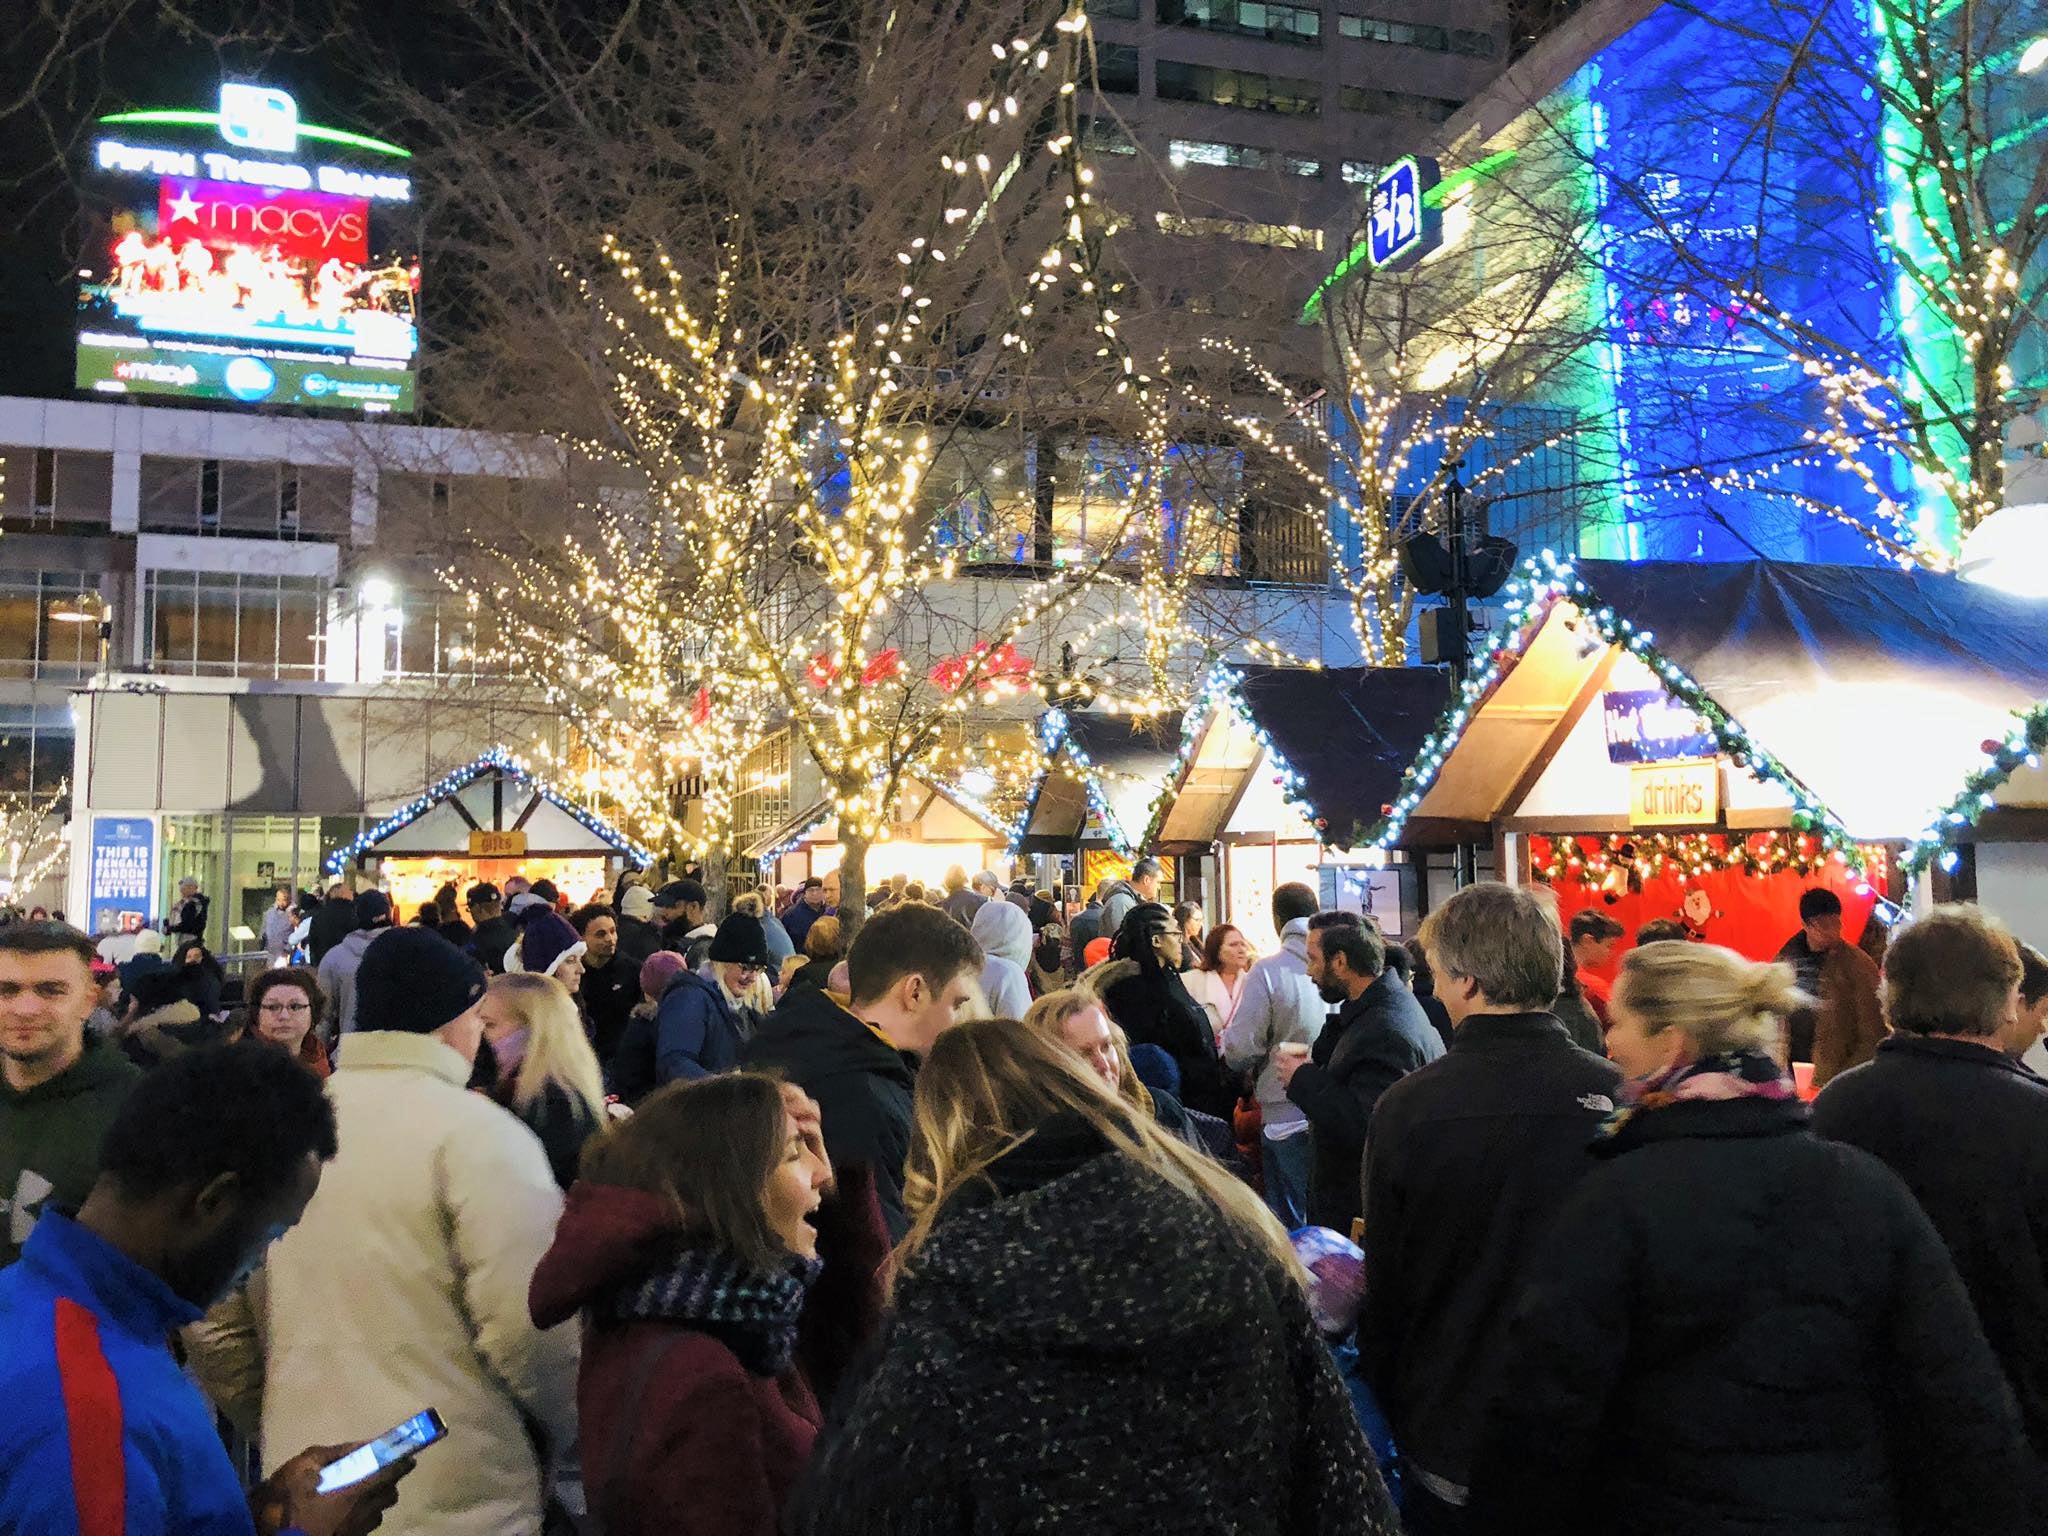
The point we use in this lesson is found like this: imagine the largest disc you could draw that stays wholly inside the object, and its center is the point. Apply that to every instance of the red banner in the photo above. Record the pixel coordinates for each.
(304, 226)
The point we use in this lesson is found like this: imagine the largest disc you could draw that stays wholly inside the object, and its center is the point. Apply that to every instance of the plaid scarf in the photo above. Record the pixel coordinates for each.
(1728, 1075)
(753, 1314)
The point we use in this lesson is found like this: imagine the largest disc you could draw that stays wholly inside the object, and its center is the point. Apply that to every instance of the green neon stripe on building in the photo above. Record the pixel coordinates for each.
(1433, 198)
(187, 119)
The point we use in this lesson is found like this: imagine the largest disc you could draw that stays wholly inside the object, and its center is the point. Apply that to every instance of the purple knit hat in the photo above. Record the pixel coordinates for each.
(657, 971)
(547, 938)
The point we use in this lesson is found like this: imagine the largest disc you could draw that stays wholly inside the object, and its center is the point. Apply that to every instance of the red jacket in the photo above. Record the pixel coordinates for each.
(708, 1447)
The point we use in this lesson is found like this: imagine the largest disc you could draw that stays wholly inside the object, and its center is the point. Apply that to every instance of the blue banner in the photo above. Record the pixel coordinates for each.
(119, 881)
(1647, 725)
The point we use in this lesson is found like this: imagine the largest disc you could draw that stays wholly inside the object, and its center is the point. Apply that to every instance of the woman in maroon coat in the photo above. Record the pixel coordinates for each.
(725, 1282)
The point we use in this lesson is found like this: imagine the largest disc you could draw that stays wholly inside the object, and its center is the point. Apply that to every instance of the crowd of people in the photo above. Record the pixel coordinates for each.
(980, 1210)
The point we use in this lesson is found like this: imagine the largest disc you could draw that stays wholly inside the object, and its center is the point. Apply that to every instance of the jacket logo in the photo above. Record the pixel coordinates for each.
(1597, 1102)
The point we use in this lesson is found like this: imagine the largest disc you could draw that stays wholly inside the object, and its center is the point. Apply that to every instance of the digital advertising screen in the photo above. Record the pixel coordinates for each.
(245, 256)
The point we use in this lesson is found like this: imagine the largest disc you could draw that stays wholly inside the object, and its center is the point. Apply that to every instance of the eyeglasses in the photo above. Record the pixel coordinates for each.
(281, 1009)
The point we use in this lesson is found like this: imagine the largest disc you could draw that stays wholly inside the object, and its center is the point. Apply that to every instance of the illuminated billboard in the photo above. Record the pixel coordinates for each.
(243, 255)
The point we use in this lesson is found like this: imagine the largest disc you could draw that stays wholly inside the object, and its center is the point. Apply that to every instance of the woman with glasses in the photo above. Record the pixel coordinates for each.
(284, 1008)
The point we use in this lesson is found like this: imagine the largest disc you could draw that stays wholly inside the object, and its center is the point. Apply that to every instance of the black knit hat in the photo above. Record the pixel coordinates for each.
(741, 940)
(412, 980)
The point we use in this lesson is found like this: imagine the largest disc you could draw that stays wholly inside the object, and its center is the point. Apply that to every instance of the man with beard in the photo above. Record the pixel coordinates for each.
(1379, 1036)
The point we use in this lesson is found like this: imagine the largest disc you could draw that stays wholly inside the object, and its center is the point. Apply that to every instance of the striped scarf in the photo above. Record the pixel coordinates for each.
(753, 1314)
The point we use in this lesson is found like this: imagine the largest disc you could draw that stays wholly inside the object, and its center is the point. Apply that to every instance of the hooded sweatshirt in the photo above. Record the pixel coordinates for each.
(1279, 1005)
(1004, 933)
(1068, 1321)
(861, 1082)
(338, 977)
(50, 1139)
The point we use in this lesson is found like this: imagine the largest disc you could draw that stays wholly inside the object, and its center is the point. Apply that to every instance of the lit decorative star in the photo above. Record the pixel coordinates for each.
(184, 207)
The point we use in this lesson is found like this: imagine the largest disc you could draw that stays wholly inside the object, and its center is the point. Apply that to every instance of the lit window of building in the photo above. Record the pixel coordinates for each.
(1245, 157)
(1408, 34)
(1301, 25)
(1238, 88)
(233, 624)
(1286, 237)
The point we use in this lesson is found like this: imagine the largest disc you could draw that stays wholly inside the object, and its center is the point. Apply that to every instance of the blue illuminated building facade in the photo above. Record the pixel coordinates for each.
(1727, 211)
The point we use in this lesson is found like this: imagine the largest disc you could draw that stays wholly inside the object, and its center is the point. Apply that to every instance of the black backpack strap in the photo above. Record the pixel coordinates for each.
(604, 1490)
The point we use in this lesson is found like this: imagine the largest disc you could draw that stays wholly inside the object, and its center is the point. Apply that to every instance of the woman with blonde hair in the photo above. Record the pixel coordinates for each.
(1075, 1020)
(1074, 1285)
(547, 1073)
(1735, 1326)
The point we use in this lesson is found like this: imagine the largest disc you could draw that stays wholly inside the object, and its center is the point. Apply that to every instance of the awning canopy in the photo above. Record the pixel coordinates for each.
(494, 793)
(1103, 772)
(1336, 740)
(1858, 698)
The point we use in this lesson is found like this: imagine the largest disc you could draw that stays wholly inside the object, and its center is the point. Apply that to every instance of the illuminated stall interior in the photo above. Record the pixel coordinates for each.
(1279, 765)
(489, 820)
(1704, 742)
(931, 830)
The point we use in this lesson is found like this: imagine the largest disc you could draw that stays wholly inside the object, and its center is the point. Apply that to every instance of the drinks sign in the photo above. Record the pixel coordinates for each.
(1684, 794)
(1647, 725)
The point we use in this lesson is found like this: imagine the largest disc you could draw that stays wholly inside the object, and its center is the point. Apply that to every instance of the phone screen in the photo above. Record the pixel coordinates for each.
(422, 1429)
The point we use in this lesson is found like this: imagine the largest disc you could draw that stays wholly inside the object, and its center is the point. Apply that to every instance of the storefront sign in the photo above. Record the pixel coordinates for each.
(1684, 794)
(1400, 226)
(498, 845)
(1647, 725)
(120, 878)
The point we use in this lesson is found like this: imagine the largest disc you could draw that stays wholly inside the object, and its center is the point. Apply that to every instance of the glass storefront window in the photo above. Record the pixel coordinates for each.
(227, 624)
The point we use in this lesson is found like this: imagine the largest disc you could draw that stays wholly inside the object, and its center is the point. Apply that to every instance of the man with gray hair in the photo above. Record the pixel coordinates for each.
(1126, 894)
(1466, 1162)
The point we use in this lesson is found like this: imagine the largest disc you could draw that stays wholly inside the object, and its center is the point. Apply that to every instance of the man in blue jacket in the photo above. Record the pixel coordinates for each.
(212, 1158)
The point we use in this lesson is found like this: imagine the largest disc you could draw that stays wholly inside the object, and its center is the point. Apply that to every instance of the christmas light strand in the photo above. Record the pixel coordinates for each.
(1537, 586)
(498, 759)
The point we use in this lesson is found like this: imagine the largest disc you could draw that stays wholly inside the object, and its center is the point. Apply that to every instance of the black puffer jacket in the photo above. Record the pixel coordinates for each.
(1087, 1350)
(862, 1087)
(1736, 1329)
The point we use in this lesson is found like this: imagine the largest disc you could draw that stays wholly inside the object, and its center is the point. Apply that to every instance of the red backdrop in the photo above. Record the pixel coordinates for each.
(1752, 914)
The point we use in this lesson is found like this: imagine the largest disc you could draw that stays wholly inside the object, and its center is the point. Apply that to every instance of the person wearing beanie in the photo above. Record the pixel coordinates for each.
(743, 958)
(694, 1031)
(338, 970)
(638, 937)
(549, 945)
(404, 1284)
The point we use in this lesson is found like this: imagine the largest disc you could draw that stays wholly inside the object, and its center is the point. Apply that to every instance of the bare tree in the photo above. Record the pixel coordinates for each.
(1426, 378)
(770, 264)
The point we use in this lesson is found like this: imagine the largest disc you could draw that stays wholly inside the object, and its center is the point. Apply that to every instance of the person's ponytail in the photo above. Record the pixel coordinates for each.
(1718, 999)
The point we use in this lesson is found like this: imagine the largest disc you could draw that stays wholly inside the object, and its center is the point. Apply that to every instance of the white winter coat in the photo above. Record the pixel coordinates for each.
(404, 1287)
(1277, 1005)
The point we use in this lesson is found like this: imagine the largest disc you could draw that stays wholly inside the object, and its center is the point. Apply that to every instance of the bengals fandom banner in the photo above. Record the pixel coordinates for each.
(306, 226)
